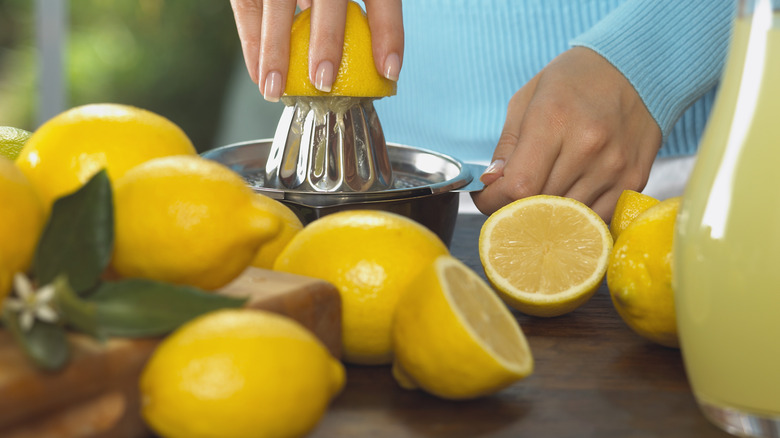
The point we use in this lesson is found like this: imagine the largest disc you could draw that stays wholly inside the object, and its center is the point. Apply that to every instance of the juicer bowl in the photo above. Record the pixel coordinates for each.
(425, 188)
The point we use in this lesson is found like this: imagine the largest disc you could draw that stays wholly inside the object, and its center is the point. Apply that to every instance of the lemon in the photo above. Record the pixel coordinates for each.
(546, 255)
(290, 225)
(629, 205)
(187, 220)
(21, 221)
(357, 75)
(238, 373)
(454, 338)
(12, 140)
(66, 151)
(639, 276)
(371, 257)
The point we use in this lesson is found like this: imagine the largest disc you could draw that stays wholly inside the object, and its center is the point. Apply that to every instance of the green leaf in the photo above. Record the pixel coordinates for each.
(79, 237)
(45, 344)
(140, 308)
(74, 311)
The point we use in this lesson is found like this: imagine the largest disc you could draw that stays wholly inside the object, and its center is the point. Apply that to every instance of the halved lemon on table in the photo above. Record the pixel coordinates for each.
(545, 255)
(454, 338)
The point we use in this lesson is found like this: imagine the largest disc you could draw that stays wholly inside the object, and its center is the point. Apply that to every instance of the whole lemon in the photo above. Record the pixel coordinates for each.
(371, 257)
(22, 218)
(187, 220)
(639, 275)
(454, 337)
(356, 76)
(290, 225)
(240, 374)
(66, 151)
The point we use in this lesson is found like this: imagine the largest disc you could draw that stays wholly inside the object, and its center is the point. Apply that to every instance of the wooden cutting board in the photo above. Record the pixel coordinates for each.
(96, 395)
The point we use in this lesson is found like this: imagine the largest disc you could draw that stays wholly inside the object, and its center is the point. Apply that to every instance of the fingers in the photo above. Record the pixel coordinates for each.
(326, 42)
(275, 47)
(510, 133)
(248, 15)
(387, 36)
(529, 147)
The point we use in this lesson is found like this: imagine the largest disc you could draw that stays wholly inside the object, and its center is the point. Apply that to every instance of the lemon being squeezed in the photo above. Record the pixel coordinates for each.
(357, 75)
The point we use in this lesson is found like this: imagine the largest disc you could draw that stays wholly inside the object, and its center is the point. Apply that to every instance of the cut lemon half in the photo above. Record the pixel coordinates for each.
(629, 205)
(357, 75)
(546, 255)
(454, 338)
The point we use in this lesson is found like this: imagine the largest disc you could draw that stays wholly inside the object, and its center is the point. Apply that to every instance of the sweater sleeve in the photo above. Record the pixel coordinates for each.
(672, 51)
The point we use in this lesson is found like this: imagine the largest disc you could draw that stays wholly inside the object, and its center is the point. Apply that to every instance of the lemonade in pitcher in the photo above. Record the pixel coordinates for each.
(726, 272)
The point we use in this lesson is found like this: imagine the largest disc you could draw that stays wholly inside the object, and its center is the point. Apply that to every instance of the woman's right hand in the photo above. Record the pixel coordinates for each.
(264, 30)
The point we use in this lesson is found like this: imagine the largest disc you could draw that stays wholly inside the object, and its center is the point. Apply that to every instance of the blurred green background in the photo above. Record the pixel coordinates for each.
(178, 58)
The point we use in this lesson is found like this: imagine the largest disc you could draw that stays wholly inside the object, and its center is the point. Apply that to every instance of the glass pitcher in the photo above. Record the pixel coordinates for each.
(726, 269)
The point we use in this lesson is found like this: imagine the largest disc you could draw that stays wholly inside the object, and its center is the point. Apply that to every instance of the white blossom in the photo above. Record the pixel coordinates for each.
(31, 304)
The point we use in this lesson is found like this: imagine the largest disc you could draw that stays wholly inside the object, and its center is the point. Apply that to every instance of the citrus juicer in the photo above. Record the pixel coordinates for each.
(329, 154)
(329, 144)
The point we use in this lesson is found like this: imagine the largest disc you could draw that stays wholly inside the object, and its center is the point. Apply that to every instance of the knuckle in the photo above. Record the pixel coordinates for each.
(593, 138)
(519, 188)
(508, 139)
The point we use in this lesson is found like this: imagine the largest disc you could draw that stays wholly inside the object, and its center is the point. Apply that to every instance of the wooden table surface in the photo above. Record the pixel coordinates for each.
(593, 377)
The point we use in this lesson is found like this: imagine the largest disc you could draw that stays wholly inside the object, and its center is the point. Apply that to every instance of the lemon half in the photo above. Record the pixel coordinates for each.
(357, 75)
(454, 338)
(546, 255)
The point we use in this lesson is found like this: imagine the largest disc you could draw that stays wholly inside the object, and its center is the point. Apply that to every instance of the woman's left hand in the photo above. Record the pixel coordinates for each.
(577, 129)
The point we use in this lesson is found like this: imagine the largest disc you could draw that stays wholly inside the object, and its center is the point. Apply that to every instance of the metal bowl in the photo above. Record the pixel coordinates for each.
(425, 187)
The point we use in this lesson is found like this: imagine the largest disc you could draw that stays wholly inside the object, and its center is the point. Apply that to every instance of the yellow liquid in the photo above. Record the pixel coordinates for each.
(727, 242)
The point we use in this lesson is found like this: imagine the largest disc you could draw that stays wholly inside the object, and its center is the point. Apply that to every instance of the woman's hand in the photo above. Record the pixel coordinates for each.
(264, 29)
(577, 129)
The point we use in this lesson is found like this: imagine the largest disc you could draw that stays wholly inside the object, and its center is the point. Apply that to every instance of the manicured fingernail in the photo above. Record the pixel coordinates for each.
(272, 89)
(495, 167)
(323, 79)
(392, 66)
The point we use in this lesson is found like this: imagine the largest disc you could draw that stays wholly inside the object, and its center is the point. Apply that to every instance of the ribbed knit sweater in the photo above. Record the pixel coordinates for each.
(464, 59)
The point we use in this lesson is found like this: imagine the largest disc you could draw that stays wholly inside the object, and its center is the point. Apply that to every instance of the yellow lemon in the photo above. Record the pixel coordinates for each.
(371, 257)
(22, 218)
(187, 220)
(454, 338)
(239, 374)
(66, 151)
(12, 140)
(629, 205)
(290, 225)
(356, 76)
(546, 255)
(639, 276)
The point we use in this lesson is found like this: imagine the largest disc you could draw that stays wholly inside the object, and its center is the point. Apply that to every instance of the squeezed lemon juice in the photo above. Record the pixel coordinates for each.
(727, 243)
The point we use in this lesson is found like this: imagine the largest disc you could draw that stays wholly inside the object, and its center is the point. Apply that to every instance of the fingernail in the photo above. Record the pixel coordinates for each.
(272, 89)
(494, 167)
(392, 67)
(323, 79)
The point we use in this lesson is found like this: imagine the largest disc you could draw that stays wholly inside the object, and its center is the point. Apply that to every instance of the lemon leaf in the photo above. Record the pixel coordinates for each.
(78, 239)
(45, 344)
(140, 307)
(76, 312)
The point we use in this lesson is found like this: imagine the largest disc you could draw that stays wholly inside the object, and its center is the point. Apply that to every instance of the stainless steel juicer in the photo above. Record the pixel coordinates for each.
(331, 155)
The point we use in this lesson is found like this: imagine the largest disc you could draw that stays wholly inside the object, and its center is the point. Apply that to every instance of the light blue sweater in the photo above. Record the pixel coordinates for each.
(464, 59)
